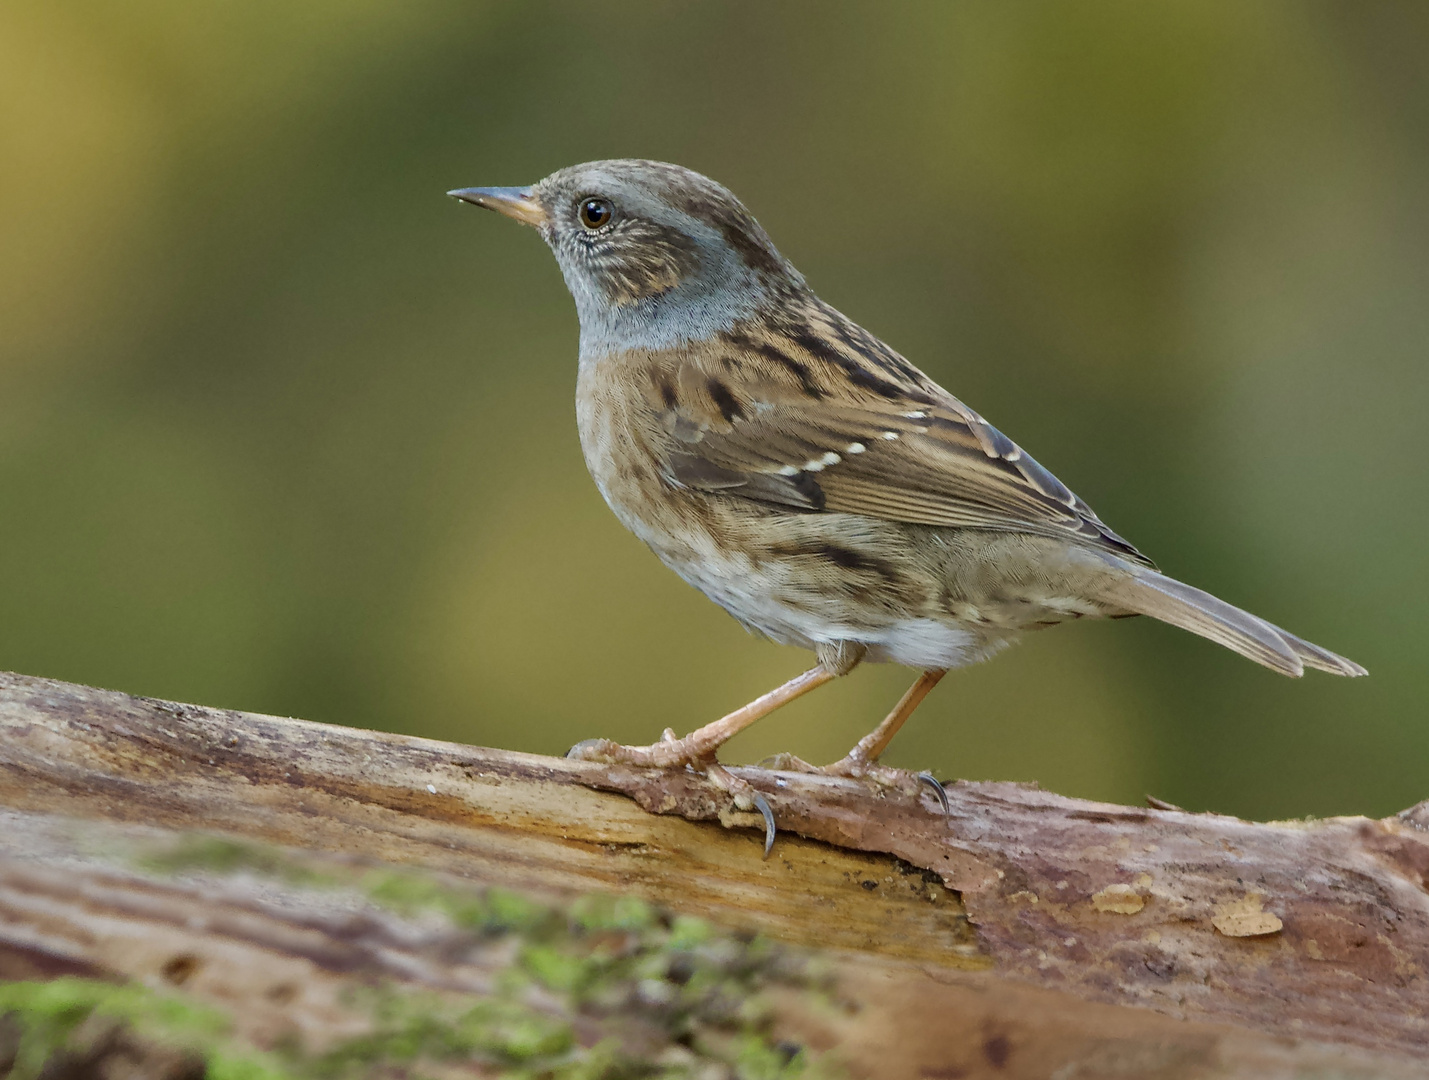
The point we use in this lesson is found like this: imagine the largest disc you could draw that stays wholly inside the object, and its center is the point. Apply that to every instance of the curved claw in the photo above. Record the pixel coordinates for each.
(762, 805)
(938, 790)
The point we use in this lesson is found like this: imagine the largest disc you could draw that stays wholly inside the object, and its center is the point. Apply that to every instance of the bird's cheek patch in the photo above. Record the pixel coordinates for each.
(646, 259)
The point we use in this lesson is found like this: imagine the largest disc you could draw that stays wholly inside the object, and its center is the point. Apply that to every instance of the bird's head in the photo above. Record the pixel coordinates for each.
(654, 254)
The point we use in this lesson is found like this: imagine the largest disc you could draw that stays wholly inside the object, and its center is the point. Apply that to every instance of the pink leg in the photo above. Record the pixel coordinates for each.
(703, 742)
(869, 748)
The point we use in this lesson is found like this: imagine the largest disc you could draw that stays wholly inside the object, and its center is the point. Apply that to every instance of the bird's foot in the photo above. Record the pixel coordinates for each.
(673, 753)
(857, 767)
(788, 763)
(746, 797)
(668, 753)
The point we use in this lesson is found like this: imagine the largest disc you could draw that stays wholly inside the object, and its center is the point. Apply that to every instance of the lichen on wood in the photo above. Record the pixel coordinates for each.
(310, 967)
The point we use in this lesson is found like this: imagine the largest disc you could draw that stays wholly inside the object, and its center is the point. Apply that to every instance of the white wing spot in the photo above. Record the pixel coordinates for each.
(817, 465)
(855, 448)
(917, 414)
(890, 435)
(831, 458)
(788, 470)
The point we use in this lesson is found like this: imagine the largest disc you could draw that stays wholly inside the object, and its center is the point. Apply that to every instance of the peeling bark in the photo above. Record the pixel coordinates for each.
(1024, 934)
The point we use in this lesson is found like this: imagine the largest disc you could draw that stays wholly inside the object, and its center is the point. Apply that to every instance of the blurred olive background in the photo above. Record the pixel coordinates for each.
(282, 428)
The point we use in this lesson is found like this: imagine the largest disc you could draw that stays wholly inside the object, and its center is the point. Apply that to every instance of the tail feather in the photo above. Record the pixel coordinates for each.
(1149, 593)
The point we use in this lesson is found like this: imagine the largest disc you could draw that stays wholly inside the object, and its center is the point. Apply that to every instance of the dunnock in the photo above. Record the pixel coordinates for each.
(806, 477)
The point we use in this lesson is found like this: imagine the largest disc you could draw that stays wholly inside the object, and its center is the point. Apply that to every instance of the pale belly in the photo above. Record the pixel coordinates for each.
(778, 598)
(772, 600)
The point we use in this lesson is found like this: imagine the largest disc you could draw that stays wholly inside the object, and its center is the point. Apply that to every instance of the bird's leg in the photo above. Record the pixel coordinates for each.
(703, 743)
(861, 760)
(840, 657)
(698, 748)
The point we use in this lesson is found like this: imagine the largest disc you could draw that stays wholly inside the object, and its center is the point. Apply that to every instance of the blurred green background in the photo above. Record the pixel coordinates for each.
(282, 428)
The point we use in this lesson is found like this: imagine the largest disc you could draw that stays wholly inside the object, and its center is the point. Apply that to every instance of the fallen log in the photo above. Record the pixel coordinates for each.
(1023, 934)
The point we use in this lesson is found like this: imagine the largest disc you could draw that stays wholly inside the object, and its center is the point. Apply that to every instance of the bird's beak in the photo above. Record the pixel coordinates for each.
(514, 202)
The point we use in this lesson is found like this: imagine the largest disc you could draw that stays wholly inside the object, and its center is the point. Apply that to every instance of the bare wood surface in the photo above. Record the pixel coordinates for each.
(1028, 923)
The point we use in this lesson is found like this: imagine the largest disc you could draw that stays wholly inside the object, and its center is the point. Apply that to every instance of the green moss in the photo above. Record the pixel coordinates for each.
(49, 1014)
(557, 969)
(674, 995)
(615, 957)
(492, 911)
(593, 913)
(410, 1028)
(220, 855)
(686, 932)
(513, 911)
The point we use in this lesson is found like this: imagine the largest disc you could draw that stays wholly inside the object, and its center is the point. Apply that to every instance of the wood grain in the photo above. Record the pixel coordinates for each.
(1302, 934)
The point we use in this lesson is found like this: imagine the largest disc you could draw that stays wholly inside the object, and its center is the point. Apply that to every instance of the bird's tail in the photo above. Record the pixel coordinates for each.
(1148, 593)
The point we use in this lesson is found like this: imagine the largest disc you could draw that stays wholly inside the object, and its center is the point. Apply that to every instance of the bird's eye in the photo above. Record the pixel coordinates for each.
(595, 212)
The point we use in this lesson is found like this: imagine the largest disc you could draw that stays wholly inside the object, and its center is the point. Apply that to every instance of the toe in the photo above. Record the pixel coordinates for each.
(746, 798)
(662, 755)
(904, 781)
(788, 763)
(901, 780)
(591, 750)
(850, 768)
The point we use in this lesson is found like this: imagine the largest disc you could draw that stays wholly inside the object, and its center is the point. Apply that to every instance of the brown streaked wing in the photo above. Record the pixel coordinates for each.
(904, 460)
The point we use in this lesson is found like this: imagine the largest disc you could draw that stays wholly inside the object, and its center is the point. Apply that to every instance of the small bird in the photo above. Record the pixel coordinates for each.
(805, 476)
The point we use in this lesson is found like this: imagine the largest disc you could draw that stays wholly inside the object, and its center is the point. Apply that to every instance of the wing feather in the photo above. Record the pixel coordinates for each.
(913, 454)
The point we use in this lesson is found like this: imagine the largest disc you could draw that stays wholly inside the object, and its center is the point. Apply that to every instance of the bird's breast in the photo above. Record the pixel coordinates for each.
(623, 442)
